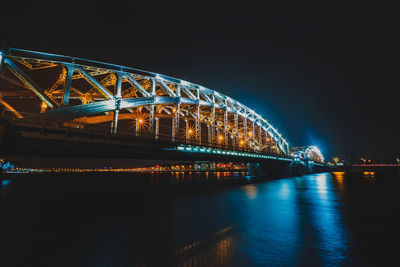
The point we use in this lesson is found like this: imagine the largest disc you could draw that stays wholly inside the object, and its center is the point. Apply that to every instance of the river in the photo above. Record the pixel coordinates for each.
(193, 219)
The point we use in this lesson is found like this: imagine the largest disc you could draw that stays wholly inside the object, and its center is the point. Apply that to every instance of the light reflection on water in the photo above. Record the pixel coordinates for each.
(369, 175)
(296, 221)
(285, 222)
(5, 182)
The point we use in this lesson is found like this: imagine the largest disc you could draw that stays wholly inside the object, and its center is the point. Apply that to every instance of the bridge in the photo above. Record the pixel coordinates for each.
(55, 105)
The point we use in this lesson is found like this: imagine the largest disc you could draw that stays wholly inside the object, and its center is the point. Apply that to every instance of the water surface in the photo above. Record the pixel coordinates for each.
(326, 219)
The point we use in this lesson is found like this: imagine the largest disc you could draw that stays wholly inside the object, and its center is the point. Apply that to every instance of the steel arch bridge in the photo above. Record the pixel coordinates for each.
(39, 88)
(308, 153)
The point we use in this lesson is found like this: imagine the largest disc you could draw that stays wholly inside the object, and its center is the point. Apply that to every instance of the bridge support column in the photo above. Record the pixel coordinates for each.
(259, 138)
(226, 141)
(267, 142)
(253, 135)
(114, 124)
(245, 133)
(137, 127)
(209, 134)
(151, 119)
(175, 124)
(213, 125)
(186, 131)
(198, 126)
(157, 129)
(173, 130)
(235, 141)
(253, 169)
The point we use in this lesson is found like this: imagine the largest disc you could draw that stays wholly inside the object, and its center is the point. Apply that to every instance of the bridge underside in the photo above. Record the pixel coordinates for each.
(36, 142)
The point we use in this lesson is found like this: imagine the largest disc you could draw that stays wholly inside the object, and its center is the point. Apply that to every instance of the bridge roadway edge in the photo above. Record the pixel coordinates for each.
(47, 143)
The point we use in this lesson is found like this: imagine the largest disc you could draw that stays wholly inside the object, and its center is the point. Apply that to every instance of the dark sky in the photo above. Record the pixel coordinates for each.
(322, 72)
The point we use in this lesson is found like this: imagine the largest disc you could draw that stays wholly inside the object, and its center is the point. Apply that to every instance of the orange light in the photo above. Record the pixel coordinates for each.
(140, 120)
(241, 142)
(190, 131)
(220, 138)
(43, 107)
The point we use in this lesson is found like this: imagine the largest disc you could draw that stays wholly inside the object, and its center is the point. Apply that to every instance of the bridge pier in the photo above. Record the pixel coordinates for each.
(253, 169)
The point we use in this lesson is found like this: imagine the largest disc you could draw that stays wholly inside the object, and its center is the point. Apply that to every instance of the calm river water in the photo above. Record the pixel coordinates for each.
(326, 219)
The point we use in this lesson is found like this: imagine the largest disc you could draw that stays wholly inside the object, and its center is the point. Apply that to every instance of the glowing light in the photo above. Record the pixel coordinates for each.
(241, 142)
(43, 107)
(220, 138)
(5, 182)
(185, 83)
(141, 122)
(369, 174)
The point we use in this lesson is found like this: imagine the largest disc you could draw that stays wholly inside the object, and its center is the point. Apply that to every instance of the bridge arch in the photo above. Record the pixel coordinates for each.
(74, 92)
(308, 153)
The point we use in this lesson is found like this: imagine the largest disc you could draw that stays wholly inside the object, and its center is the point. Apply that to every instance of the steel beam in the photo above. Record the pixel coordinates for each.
(166, 88)
(67, 84)
(95, 83)
(11, 109)
(135, 84)
(29, 83)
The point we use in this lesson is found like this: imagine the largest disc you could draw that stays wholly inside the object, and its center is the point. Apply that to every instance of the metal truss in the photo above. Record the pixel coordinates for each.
(89, 92)
(308, 152)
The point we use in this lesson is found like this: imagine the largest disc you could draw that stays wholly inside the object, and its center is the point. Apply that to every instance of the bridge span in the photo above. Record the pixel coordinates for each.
(54, 105)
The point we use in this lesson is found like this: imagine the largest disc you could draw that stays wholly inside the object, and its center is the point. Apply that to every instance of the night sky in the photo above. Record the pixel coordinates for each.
(323, 73)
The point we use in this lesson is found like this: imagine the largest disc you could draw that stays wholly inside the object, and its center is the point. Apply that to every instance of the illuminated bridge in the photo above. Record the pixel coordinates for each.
(58, 103)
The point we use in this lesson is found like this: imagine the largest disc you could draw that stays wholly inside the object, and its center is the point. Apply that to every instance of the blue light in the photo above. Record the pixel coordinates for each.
(5, 182)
